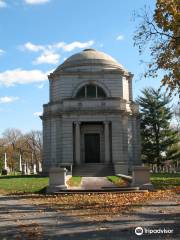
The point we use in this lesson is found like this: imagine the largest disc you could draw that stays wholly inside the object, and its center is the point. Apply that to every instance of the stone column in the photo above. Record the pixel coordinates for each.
(136, 141)
(107, 142)
(77, 143)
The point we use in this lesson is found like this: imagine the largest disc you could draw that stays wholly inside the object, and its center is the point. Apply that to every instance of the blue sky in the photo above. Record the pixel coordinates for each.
(37, 35)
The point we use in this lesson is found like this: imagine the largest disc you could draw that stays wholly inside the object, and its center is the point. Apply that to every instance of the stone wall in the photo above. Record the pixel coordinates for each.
(64, 86)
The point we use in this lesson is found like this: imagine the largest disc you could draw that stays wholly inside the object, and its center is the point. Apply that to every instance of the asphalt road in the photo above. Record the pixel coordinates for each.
(19, 220)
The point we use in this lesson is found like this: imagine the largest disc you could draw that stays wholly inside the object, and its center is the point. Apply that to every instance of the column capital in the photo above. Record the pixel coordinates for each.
(106, 122)
(77, 122)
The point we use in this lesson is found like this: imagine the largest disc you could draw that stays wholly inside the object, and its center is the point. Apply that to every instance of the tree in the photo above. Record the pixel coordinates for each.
(11, 138)
(176, 111)
(16, 144)
(157, 135)
(173, 153)
(34, 142)
(160, 31)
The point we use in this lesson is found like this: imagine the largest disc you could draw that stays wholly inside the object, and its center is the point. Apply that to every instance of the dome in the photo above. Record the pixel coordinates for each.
(90, 60)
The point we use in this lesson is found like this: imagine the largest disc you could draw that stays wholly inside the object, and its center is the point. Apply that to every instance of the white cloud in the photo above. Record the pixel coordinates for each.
(120, 37)
(47, 57)
(59, 45)
(70, 47)
(3, 4)
(32, 47)
(49, 53)
(2, 52)
(40, 86)
(19, 76)
(8, 99)
(37, 114)
(33, 2)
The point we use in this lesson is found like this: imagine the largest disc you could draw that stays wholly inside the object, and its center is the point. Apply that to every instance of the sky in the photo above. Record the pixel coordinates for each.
(38, 35)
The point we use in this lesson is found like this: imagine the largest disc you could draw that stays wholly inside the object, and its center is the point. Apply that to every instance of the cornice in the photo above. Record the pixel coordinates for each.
(54, 75)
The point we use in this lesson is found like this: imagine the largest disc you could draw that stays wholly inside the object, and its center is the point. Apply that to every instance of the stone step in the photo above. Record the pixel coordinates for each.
(93, 170)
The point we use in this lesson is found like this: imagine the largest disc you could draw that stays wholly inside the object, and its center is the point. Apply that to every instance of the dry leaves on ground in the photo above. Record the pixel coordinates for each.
(29, 231)
(98, 206)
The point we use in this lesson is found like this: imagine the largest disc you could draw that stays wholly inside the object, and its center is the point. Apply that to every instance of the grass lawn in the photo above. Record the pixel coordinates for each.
(165, 180)
(117, 181)
(22, 184)
(35, 184)
(159, 180)
(74, 181)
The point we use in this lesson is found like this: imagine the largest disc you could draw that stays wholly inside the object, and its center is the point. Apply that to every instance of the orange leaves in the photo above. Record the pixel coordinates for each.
(30, 231)
(97, 206)
(160, 31)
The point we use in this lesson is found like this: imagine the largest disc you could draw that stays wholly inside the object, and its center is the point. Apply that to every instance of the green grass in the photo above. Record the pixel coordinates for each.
(22, 184)
(74, 181)
(117, 181)
(159, 180)
(165, 180)
(35, 184)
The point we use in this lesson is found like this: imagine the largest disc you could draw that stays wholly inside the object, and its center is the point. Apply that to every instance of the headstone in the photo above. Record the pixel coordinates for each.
(20, 163)
(5, 161)
(141, 177)
(34, 169)
(57, 179)
(24, 169)
(6, 169)
(39, 167)
(28, 172)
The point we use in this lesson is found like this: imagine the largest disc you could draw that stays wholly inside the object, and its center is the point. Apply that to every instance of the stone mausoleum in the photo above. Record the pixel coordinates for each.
(91, 124)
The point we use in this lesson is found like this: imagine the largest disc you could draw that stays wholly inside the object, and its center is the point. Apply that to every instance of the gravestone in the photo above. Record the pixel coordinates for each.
(20, 163)
(34, 169)
(24, 169)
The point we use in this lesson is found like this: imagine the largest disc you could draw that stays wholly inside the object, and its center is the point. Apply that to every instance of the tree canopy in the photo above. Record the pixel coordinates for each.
(16, 144)
(157, 135)
(160, 31)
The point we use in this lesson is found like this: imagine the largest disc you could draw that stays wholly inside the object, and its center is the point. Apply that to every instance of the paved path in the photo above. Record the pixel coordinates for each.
(21, 221)
(96, 183)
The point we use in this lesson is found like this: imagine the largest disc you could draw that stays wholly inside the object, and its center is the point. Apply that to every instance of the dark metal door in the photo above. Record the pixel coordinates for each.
(92, 148)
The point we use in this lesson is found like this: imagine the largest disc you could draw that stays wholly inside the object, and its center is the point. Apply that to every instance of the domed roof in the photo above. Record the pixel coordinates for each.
(90, 60)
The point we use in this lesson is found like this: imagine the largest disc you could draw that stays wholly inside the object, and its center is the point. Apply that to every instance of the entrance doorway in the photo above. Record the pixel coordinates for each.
(92, 147)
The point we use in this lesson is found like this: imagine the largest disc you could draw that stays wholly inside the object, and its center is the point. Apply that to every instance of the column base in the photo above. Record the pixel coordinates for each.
(57, 180)
(54, 189)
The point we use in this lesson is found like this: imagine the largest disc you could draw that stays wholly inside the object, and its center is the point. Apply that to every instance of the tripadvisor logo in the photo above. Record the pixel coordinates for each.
(139, 231)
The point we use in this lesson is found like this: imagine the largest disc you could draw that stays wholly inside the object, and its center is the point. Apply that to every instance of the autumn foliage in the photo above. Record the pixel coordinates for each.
(97, 206)
(160, 31)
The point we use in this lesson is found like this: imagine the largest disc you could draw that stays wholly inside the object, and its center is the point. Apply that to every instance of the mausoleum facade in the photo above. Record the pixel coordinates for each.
(91, 123)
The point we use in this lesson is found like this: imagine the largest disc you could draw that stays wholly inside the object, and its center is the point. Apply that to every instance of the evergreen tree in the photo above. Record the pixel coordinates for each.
(156, 133)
